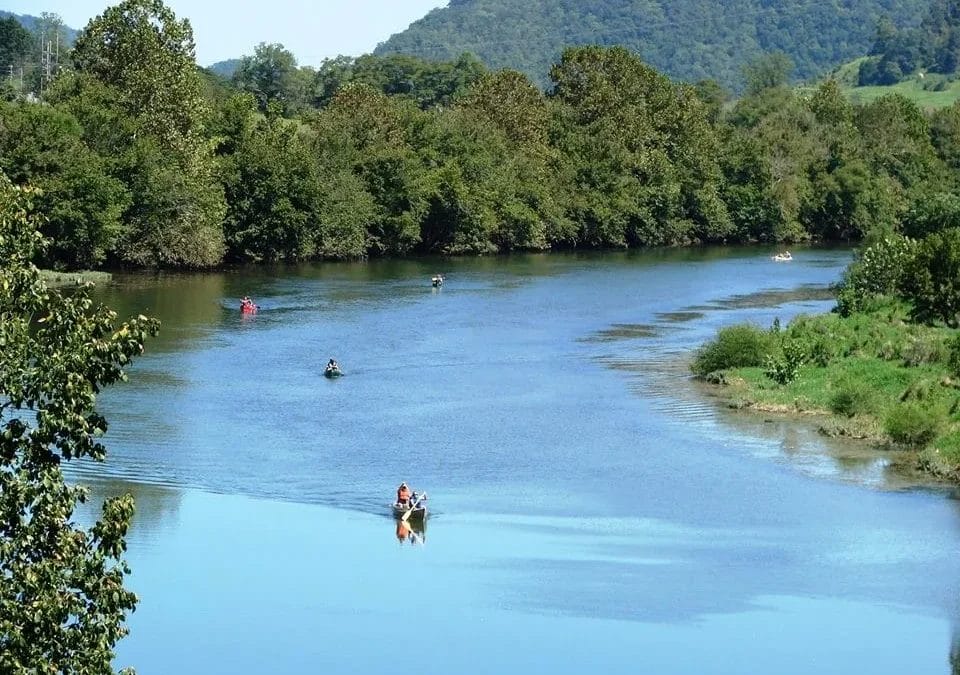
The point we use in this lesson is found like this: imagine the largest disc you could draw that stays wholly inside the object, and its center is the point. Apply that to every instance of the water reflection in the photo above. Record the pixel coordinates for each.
(156, 507)
(413, 532)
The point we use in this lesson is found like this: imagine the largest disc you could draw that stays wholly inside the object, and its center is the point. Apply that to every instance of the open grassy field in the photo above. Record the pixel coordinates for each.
(915, 90)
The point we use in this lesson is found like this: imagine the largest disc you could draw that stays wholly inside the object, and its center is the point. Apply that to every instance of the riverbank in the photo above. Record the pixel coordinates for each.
(55, 279)
(871, 377)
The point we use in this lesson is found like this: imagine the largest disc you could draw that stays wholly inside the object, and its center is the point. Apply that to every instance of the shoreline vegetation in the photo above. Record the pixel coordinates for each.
(58, 279)
(883, 367)
(141, 159)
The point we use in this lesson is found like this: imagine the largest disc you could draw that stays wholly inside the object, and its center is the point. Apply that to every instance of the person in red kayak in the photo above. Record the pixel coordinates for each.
(403, 495)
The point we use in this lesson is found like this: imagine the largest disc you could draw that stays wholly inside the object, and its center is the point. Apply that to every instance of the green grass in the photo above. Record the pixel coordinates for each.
(911, 89)
(874, 376)
(918, 89)
(56, 279)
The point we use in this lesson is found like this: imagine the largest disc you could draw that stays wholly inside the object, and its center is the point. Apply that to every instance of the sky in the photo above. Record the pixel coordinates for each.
(225, 29)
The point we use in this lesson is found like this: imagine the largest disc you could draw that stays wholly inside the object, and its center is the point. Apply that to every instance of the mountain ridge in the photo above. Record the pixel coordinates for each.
(30, 22)
(688, 39)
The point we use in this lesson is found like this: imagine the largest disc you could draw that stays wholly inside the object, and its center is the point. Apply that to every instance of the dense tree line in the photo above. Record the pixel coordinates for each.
(686, 39)
(145, 160)
(933, 46)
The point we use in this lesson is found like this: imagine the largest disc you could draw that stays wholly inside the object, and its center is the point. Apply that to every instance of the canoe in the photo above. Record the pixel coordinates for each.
(418, 513)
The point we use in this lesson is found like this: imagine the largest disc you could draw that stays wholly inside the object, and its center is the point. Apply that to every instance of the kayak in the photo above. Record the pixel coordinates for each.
(332, 372)
(248, 309)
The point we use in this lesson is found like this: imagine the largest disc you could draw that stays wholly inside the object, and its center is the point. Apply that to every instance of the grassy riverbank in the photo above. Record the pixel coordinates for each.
(871, 376)
(55, 279)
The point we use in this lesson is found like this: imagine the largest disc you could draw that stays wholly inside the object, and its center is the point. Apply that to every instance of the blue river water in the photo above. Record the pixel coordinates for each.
(591, 508)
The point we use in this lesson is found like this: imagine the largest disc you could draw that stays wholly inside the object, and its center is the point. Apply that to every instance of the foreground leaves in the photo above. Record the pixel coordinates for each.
(62, 600)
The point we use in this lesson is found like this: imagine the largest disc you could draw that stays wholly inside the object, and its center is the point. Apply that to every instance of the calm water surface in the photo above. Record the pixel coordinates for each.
(592, 512)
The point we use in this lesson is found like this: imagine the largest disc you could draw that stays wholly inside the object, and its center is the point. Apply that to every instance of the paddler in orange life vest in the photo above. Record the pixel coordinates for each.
(403, 495)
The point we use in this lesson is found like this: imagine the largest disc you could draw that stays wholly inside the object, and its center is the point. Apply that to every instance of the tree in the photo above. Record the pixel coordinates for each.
(16, 43)
(140, 48)
(646, 171)
(932, 278)
(364, 132)
(142, 58)
(273, 191)
(62, 600)
(768, 71)
(270, 75)
(80, 202)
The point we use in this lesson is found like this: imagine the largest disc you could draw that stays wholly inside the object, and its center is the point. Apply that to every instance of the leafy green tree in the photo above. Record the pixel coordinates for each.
(273, 191)
(142, 58)
(512, 102)
(16, 43)
(713, 96)
(140, 48)
(428, 83)
(80, 202)
(945, 135)
(367, 133)
(768, 71)
(646, 170)
(270, 75)
(896, 141)
(62, 599)
(932, 213)
(932, 278)
(748, 189)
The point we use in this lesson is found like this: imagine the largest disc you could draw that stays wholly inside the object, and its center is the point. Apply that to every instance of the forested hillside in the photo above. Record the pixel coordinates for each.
(687, 39)
(900, 51)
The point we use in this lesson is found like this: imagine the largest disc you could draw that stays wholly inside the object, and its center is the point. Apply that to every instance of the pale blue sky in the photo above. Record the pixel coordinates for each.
(226, 29)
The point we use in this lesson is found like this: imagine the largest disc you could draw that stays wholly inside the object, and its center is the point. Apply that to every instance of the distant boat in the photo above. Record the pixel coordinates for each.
(437, 280)
(783, 257)
(332, 371)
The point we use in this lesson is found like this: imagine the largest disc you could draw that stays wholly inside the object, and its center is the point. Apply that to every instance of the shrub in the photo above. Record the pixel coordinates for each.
(953, 357)
(852, 398)
(734, 347)
(785, 369)
(821, 352)
(912, 425)
(878, 271)
(923, 349)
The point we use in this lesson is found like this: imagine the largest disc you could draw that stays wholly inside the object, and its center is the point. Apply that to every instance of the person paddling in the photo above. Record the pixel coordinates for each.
(403, 495)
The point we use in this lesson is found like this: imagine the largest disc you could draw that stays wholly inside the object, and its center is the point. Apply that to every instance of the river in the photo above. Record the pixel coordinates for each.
(591, 511)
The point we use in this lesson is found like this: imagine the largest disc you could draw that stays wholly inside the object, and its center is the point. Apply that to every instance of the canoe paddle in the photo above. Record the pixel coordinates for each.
(406, 514)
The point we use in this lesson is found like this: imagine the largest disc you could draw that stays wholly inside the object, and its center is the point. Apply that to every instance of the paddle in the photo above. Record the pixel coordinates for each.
(406, 514)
